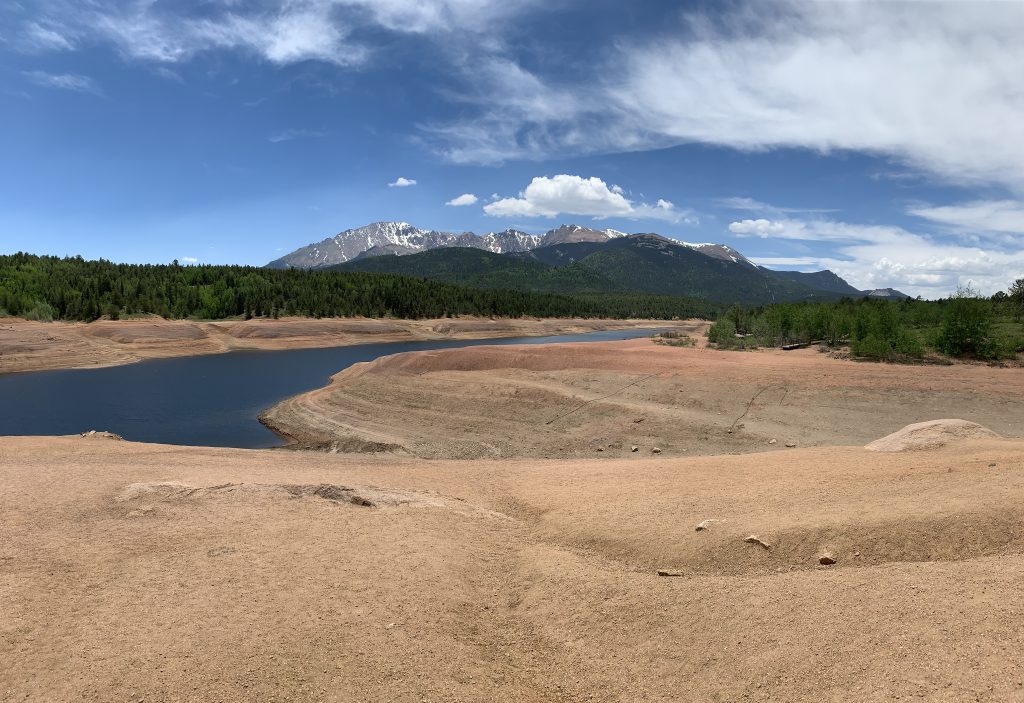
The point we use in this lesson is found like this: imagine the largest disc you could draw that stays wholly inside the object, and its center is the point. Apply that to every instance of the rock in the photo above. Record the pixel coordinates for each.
(100, 434)
(669, 572)
(634, 448)
(706, 524)
(826, 559)
(931, 435)
(655, 450)
(600, 449)
(754, 539)
(790, 444)
(773, 441)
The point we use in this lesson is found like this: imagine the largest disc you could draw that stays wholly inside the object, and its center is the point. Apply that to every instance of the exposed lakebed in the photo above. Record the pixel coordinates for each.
(210, 400)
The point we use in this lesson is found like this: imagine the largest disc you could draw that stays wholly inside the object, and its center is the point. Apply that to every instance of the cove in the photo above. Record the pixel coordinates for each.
(213, 400)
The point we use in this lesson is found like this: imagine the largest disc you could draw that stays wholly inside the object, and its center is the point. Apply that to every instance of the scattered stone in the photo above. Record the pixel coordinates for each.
(826, 559)
(655, 450)
(706, 524)
(754, 539)
(773, 441)
(634, 448)
(790, 444)
(669, 572)
(638, 420)
(600, 449)
(992, 465)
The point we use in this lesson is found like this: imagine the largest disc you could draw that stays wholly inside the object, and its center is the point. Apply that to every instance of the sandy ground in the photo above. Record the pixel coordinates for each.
(33, 346)
(136, 572)
(601, 399)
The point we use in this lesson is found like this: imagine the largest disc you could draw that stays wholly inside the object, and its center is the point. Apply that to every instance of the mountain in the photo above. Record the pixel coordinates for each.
(639, 263)
(569, 259)
(890, 293)
(398, 239)
(819, 280)
(401, 239)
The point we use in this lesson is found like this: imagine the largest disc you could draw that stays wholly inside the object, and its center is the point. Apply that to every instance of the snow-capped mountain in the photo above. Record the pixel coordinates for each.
(399, 238)
(719, 251)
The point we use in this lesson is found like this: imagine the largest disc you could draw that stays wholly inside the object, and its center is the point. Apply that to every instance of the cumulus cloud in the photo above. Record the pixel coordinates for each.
(575, 195)
(759, 227)
(463, 200)
(189, 260)
(401, 182)
(64, 81)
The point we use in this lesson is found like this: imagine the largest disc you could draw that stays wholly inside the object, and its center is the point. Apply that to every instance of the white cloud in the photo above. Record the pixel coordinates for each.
(64, 81)
(189, 260)
(36, 37)
(290, 134)
(401, 182)
(933, 85)
(980, 216)
(759, 227)
(462, 200)
(574, 195)
(880, 256)
(279, 32)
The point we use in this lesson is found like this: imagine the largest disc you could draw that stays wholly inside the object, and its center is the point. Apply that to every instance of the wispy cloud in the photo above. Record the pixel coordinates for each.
(64, 81)
(931, 85)
(36, 37)
(402, 182)
(290, 134)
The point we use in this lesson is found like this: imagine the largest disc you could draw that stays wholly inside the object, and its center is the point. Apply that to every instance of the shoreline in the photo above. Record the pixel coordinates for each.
(27, 346)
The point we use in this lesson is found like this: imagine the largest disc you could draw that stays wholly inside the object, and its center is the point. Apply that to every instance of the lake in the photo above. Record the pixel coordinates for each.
(212, 400)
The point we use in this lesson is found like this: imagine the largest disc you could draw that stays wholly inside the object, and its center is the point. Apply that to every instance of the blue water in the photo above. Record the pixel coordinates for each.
(210, 400)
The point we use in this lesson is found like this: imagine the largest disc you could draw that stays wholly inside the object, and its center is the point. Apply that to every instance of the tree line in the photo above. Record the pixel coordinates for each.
(72, 288)
(963, 325)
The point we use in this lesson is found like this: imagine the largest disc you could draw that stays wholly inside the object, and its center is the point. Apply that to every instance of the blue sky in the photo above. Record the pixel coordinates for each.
(882, 140)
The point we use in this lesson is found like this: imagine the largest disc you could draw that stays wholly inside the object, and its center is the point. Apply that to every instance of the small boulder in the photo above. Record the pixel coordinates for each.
(790, 444)
(773, 441)
(826, 559)
(655, 450)
(754, 539)
(706, 524)
(634, 448)
(669, 572)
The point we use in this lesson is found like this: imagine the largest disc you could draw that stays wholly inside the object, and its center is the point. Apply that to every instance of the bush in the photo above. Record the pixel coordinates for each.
(966, 329)
(41, 312)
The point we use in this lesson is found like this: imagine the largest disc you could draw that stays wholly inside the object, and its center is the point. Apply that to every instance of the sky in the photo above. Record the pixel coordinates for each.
(881, 140)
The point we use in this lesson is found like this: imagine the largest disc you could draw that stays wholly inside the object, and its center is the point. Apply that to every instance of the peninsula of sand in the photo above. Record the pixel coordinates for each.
(35, 346)
(609, 521)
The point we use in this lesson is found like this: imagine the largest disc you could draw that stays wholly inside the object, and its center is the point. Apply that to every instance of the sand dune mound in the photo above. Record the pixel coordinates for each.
(145, 332)
(931, 435)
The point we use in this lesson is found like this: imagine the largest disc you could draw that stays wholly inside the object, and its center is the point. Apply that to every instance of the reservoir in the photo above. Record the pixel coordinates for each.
(213, 400)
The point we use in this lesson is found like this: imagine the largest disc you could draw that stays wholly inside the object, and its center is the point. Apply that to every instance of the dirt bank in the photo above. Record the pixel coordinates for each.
(601, 399)
(144, 572)
(34, 346)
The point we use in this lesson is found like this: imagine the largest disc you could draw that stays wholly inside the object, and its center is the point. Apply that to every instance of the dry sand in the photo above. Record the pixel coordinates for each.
(601, 399)
(142, 572)
(136, 572)
(34, 346)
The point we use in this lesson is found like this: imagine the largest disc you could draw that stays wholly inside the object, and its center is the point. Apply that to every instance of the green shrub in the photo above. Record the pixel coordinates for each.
(42, 312)
(966, 328)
